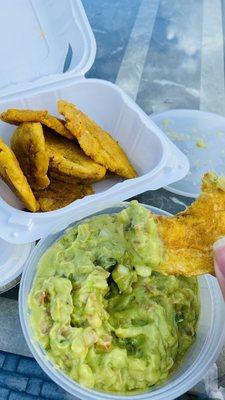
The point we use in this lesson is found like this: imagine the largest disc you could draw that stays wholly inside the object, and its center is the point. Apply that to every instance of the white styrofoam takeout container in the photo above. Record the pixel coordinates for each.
(49, 38)
(205, 350)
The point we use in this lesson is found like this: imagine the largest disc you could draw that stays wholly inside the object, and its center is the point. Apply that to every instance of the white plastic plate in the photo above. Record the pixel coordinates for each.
(201, 136)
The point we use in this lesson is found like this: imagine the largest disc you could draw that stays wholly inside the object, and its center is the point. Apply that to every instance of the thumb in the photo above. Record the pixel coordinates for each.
(219, 262)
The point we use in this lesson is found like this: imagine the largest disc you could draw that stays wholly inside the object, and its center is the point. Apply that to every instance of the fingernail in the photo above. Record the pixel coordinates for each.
(220, 278)
(219, 243)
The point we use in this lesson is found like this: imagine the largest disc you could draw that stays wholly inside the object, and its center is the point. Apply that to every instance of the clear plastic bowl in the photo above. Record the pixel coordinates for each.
(205, 350)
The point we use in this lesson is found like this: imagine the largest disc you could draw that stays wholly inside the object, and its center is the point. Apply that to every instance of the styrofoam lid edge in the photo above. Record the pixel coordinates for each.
(56, 80)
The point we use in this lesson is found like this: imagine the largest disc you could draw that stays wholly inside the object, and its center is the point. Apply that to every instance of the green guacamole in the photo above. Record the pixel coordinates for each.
(102, 310)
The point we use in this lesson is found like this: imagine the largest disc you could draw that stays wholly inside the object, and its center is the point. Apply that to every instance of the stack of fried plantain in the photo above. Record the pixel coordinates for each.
(53, 162)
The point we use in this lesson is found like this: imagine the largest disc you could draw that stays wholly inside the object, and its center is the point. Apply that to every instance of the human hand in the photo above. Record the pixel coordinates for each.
(219, 262)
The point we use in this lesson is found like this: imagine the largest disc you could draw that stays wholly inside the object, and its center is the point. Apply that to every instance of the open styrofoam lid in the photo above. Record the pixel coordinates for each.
(201, 136)
(43, 42)
(12, 259)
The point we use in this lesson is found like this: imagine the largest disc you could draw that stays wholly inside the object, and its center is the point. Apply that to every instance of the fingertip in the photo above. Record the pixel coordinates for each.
(220, 243)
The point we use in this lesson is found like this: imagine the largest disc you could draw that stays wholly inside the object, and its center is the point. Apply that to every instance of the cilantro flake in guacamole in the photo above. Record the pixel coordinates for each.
(102, 310)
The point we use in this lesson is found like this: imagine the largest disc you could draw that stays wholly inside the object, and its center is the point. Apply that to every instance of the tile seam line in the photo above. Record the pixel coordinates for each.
(152, 7)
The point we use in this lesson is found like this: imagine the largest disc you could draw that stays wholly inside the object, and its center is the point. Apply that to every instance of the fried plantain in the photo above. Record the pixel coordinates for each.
(17, 116)
(188, 237)
(57, 195)
(12, 174)
(56, 124)
(95, 142)
(28, 144)
(67, 161)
